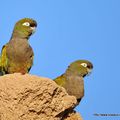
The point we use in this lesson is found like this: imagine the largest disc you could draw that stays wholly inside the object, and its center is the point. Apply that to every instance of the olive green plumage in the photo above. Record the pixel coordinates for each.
(72, 79)
(17, 55)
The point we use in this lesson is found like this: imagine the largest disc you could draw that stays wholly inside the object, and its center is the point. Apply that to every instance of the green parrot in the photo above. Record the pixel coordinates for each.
(72, 79)
(17, 55)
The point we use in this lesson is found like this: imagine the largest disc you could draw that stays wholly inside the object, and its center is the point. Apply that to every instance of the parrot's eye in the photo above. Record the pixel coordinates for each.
(84, 64)
(26, 24)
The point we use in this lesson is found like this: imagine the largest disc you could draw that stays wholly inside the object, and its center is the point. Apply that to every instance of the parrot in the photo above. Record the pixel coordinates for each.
(72, 79)
(17, 55)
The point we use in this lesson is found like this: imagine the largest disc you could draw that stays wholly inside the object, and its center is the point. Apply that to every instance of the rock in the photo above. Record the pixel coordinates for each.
(73, 116)
(28, 97)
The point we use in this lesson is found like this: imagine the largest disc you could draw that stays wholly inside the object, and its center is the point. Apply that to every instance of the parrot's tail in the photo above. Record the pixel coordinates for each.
(78, 100)
(1, 73)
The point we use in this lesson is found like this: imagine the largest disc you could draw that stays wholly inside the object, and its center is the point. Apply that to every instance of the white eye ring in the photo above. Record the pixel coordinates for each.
(84, 64)
(26, 24)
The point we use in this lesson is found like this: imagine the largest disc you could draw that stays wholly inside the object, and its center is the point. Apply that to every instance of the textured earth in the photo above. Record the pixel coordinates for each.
(29, 97)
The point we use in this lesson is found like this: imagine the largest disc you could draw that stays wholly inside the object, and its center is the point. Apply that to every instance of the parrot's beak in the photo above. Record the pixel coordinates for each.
(33, 29)
(89, 71)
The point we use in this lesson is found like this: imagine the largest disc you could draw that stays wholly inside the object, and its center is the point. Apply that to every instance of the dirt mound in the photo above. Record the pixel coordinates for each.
(28, 97)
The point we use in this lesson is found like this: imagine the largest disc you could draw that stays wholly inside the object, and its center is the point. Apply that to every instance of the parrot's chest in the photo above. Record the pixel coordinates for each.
(19, 56)
(19, 50)
(75, 86)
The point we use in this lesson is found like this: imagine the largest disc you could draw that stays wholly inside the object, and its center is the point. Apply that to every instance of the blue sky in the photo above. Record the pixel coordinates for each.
(69, 30)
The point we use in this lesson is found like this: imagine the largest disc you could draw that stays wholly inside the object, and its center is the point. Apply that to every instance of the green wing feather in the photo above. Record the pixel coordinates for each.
(3, 60)
(61, 80)
(29, 65)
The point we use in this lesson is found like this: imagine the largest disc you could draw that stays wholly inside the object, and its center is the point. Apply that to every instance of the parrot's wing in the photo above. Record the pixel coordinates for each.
(3, 60)
(29, 65)
(60, 80)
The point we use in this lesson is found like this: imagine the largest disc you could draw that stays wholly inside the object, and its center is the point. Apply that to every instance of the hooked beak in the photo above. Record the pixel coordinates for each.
(33, 29)
(89, 71)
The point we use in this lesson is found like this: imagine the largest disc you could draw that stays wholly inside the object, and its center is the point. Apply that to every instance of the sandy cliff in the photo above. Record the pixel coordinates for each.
(28, 97)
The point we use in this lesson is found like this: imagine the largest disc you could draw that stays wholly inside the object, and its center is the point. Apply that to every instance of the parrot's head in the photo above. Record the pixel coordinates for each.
(81, 67)
(25, 27)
